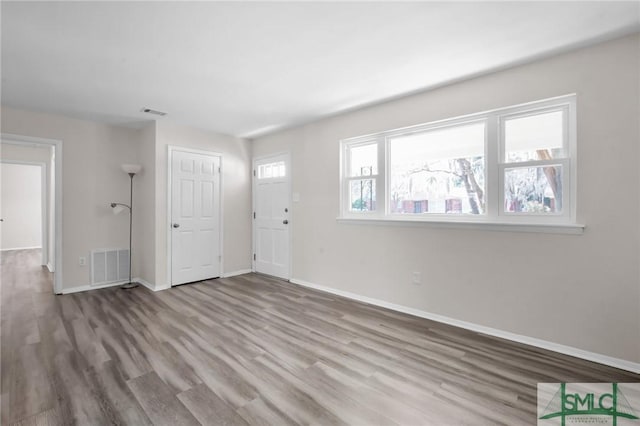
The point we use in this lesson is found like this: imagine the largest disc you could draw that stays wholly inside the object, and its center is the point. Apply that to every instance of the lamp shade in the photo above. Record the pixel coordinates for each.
(132, 168)
(117, 209)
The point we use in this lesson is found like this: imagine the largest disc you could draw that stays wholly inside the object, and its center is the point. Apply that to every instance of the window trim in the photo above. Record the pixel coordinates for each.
(346, 179)
(545, 228)
(566, 104)
(495, 165)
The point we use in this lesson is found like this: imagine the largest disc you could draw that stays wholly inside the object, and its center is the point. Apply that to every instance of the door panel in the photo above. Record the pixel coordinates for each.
(208, 199)
(209, 247)
(265, 243)
(280, 250)
(186, 198)
(195, 217)
(272, 187)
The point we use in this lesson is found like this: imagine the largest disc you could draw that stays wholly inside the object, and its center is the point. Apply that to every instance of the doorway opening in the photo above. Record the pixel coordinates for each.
(23, 208)
(33, 166)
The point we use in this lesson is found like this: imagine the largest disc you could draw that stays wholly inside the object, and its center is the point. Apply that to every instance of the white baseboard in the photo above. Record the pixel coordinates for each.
(148, 285)
(224, 275)
(21, 248)
(50, 267)
(90, 287)
(114, 284)
(235, 273)
(539, 343)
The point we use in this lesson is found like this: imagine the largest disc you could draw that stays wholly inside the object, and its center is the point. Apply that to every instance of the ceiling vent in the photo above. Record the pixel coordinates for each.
(153, 111)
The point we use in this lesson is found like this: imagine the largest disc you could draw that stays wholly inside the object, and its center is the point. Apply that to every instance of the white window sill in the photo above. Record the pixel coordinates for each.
(547, 228)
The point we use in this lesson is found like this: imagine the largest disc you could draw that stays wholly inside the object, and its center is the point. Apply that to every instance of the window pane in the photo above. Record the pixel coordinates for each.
(438, 171)
(535, 137)
(271, 170)
(362, 195)
(533, 189)
(363, 160)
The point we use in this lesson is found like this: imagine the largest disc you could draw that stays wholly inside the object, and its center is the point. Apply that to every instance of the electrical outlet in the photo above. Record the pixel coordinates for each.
(82, 261)
(416, 278)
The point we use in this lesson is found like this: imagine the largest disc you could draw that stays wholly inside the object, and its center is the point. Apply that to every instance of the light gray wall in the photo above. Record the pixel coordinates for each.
(581, 291)
(21, 206)
(91, 179)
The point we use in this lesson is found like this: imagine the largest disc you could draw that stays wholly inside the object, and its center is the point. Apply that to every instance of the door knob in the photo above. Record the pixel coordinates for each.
(176, 225)
(285, 221)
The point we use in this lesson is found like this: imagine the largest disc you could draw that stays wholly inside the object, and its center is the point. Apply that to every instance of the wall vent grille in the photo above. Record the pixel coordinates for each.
(109, 266)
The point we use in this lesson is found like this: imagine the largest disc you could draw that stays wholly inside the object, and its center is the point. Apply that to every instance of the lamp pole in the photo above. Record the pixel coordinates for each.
(131, 170)
(130, 284)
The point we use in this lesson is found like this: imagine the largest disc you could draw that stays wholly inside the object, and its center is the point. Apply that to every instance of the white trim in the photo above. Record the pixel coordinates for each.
(573, 155)
(545, 228)
(50, 267)
(568, 163)
(492, 174)
(57, 164)
(221, 212)
(170, 150)
(168, 220)
(21, 248)
(254, 178)
(236, 273)
(146, 284)
(81, 288)
(494, 166)
(539, 343)
(113, 284)
(193, 150)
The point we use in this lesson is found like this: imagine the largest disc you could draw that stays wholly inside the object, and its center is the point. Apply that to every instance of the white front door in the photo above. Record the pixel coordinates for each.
(272, 210)
(195, 217)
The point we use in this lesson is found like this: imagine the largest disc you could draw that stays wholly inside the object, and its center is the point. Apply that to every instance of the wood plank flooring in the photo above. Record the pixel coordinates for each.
(253, 350)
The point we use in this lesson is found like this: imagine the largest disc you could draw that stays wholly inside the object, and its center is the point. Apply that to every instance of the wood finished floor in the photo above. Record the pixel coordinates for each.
(253, 350)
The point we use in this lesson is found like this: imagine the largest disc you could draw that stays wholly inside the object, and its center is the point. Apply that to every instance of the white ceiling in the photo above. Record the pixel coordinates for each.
(250, 68)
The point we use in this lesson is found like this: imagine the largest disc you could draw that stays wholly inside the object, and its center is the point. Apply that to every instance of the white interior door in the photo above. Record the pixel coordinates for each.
(195, 217)
(271, 201)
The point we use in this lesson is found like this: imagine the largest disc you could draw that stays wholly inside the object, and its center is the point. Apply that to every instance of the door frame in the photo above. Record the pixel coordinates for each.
(44, 208)
(170, 150)
(56, 146)
(254, 178)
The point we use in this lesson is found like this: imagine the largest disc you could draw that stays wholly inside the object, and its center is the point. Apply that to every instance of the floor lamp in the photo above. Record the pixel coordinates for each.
(131, 170)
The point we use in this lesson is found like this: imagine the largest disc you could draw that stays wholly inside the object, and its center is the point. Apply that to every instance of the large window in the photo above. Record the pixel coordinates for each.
(514, 164)
(439, 170)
